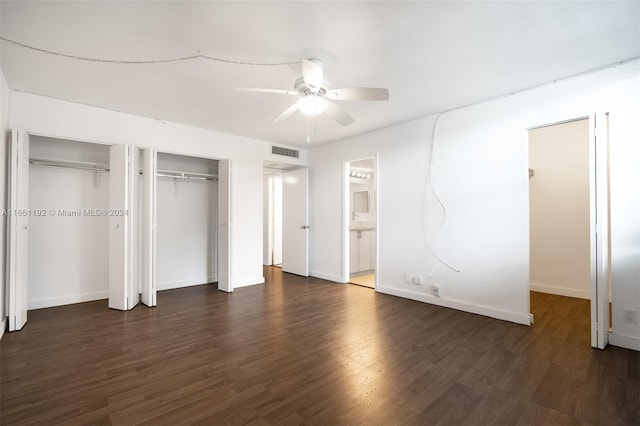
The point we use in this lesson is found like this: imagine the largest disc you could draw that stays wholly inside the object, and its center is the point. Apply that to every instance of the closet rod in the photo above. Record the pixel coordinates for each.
(68, 164)
(186, 175)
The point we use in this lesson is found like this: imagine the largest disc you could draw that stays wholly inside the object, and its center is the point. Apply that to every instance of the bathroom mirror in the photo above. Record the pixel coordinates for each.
(361, 202)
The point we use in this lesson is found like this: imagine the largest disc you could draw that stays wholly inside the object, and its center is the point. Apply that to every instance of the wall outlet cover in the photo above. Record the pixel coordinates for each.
(630, 316)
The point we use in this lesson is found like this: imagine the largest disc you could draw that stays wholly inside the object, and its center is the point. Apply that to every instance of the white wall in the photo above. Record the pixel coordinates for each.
(57, 118)
(481, 174)
(559, 207)
(4, 118)
(624, 151)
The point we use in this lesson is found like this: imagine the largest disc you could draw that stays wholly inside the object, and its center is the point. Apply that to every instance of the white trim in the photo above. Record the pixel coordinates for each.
(247, 282)
(3, 324)
(624, 341)
(560, 291)
(185, 283)
(67, 300)
(328, 277)
(487, 311)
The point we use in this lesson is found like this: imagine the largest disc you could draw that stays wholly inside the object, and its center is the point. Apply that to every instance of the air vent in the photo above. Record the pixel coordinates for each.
(278, 150)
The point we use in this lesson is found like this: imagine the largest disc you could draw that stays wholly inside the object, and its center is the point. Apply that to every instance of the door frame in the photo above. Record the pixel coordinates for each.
(598, 146)
(346, 215)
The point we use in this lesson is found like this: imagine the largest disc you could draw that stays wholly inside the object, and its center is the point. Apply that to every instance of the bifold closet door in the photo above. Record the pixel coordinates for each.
(18, 229)
(149, 192)
(224, 226)
(123, 285)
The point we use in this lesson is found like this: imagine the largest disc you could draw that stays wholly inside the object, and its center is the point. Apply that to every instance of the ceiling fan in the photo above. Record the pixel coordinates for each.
(315, 94)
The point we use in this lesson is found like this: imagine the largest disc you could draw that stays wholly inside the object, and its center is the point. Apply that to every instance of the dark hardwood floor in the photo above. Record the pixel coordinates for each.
(306, 351)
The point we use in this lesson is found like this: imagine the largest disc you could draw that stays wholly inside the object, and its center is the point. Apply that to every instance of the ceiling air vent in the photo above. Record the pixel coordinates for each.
(278, 150)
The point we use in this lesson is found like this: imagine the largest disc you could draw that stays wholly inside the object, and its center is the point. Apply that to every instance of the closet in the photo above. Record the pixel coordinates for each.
(68, 236)
(89, 221)
(187, 219)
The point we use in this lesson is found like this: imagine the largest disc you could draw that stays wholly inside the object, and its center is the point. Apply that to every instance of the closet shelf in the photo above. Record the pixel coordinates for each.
(174, 174)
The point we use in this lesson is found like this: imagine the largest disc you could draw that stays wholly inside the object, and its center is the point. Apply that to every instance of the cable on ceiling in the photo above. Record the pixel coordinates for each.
(146, 62)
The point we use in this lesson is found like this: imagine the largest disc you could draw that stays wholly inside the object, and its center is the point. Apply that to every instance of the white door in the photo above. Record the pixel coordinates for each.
(18, 229)
(224, 226)
(123, 295)
(295, 222)
(599, 159)
(149, 171)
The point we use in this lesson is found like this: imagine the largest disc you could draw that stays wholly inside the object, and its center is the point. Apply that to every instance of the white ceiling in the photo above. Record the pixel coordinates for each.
(432, 56)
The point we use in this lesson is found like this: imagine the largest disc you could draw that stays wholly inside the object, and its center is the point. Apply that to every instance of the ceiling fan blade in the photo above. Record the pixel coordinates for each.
(286, 113)
(359, 94)
(258, 89)
(312, 74)
(338, 114)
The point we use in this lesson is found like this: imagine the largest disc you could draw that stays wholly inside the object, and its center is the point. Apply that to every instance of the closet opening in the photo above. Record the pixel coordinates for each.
(68, 237)
(568, 226)
(187, 221)
(362, 218)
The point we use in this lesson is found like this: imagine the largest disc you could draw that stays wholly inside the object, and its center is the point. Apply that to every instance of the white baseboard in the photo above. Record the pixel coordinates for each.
(561, 291)
(624, 341)
(3, 324)
(185, 283)
(460, 305)
(66, 300)
(247, 282)
(328, 277)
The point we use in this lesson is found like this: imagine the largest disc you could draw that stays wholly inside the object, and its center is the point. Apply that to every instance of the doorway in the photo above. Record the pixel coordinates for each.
(567, 201)
(361, 209)
(286, 217)
(272, 218)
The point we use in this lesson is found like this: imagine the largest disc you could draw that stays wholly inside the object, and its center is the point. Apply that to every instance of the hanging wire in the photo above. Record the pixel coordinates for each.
(143, 62)
(436, 249)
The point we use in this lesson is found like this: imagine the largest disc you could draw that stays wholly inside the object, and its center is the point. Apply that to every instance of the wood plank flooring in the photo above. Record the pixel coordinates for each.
(306, 351)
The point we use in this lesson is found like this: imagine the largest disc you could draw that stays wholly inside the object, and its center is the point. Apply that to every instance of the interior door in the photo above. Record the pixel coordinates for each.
(295, 222)
(224, 226)
(149, 214)
(121, 296)
(599, 188)
(18, 230)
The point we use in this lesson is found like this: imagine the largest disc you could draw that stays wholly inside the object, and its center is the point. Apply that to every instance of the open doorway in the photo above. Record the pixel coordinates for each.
(285, 217)
(567, 203)
(361, 208)
(272, 219)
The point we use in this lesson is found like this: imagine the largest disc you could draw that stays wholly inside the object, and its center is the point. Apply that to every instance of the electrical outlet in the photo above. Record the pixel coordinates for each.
(417, 280)
(630, 316)
(435, 290)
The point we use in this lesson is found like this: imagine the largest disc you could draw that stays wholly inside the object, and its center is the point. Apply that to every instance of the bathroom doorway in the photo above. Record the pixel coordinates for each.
(362, 221)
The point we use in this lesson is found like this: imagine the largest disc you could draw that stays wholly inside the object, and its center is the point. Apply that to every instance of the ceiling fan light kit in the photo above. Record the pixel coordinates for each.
(315, 95)
(312, 105)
